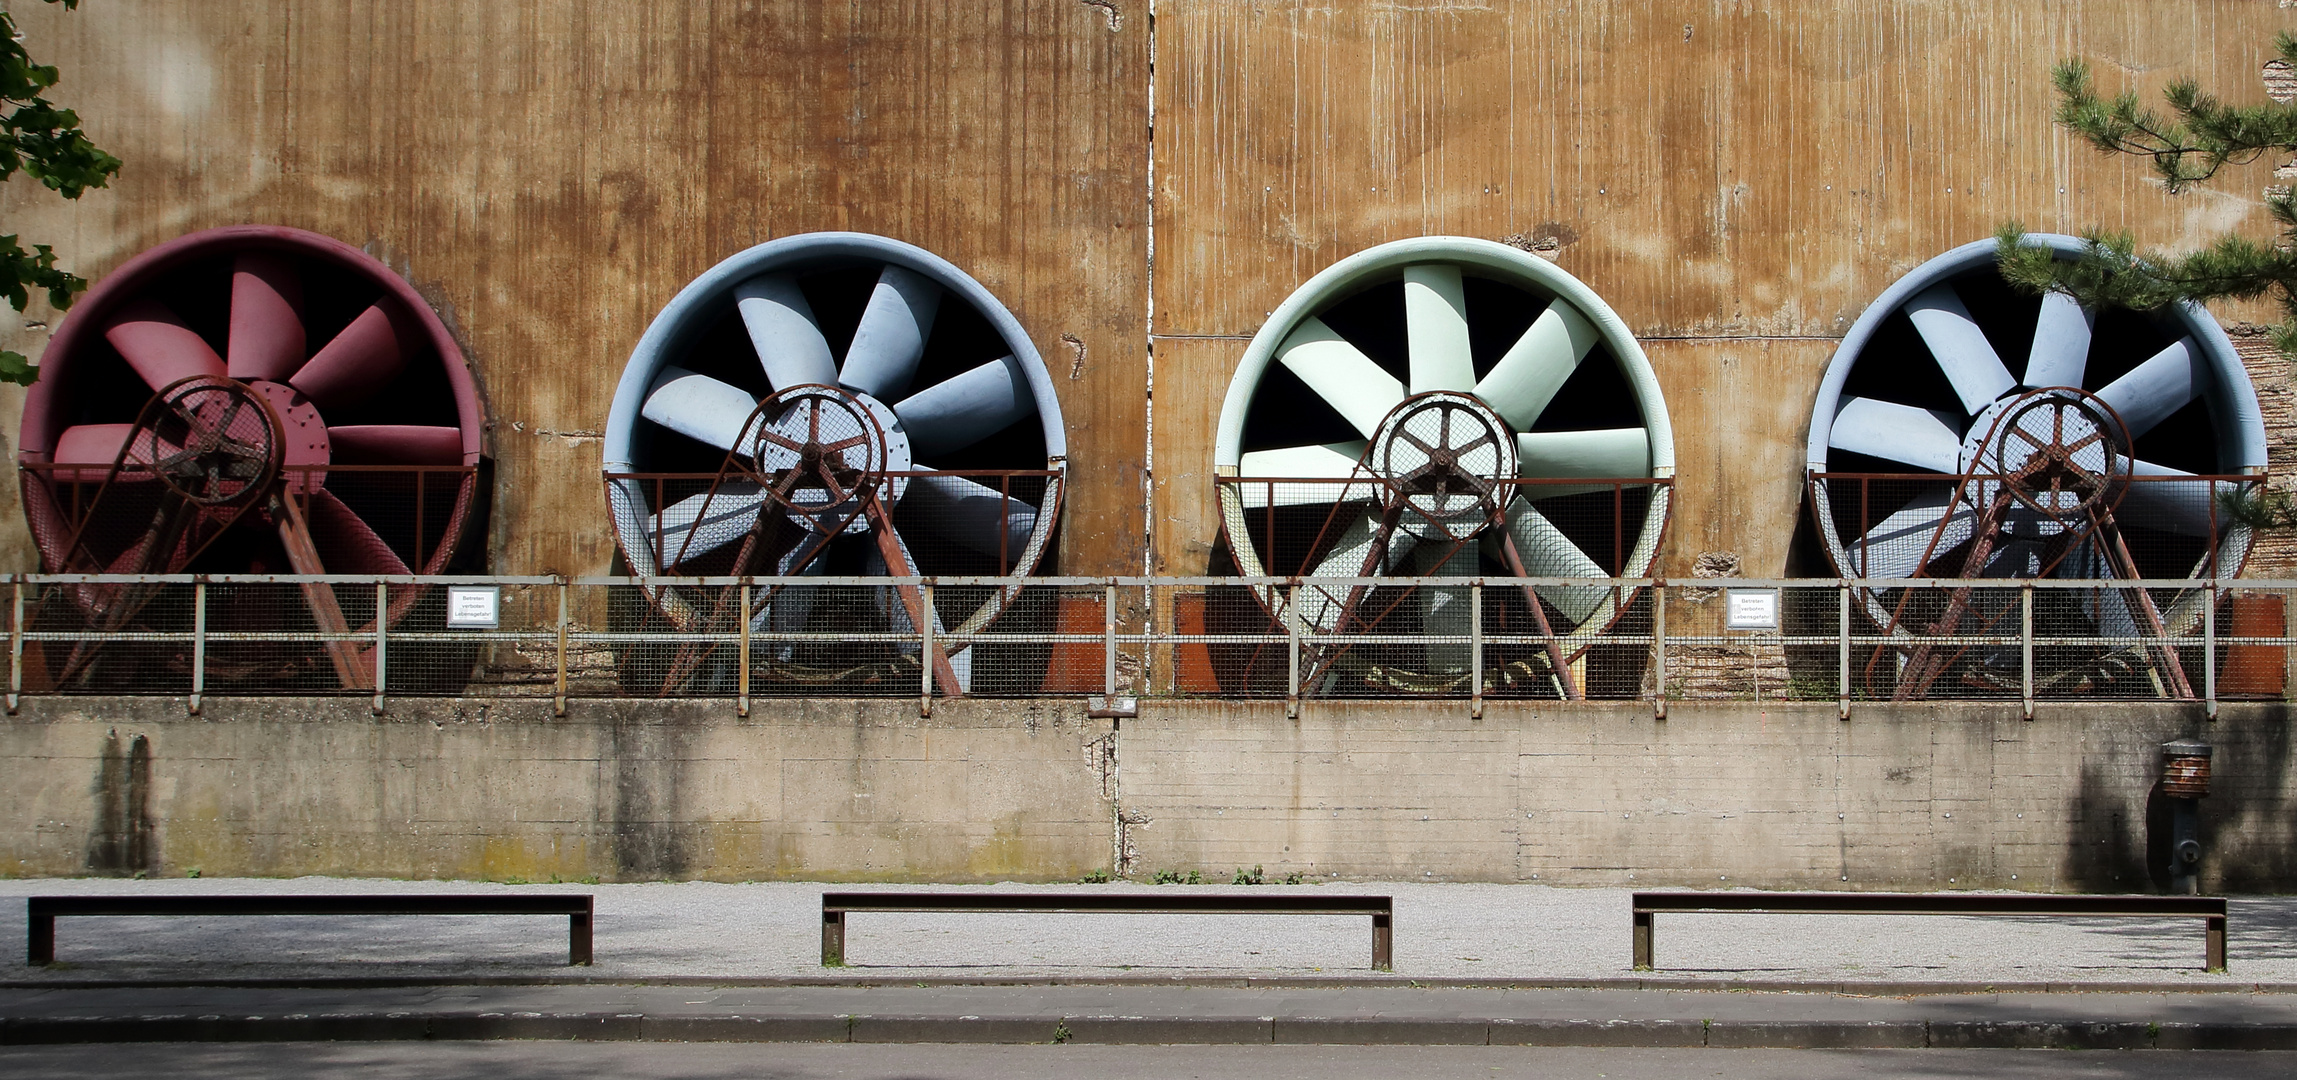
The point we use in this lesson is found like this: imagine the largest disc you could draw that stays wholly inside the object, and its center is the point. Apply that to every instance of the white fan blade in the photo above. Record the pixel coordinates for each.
(699, 407)
(891, 337)
(1896, 546)
(2186, 508)
(2165, 383)
(1537, 365)
(1341, 374)
(2061, 353)
(699, 524)
(1546, 552)
(1445, 610)
(789, 343)
(1961, 349)
(1334, 461)
(1902, 433)
(896, 613)
(966, 408)
(973, 514)
(1321, 606)
(1436, 328)
(1605, 454)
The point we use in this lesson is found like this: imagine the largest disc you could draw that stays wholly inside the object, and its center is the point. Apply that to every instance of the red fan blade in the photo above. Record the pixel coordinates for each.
(362, 359)
(266, 320)
(345, 544)
(159, 346)
(98, 445)
(395, 444)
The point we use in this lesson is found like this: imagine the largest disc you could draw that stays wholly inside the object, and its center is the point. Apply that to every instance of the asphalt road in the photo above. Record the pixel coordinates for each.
(723, 1061)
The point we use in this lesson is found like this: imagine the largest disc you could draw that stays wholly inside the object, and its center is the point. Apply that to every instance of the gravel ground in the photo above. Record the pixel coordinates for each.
(772, 930)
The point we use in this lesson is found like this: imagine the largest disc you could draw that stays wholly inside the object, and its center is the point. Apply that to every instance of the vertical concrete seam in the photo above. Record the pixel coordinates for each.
(1148, 327)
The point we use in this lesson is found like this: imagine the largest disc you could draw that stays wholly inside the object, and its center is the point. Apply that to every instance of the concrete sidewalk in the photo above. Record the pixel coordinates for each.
(1139, 1014)
(1459, 934)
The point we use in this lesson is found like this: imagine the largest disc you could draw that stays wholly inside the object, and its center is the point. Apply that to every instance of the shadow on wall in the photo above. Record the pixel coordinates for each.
(2102, 848)
(2249, 798)
(122, 841)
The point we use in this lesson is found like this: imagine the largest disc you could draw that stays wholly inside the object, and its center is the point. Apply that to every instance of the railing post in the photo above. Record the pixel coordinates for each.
(1109, 643)
(1842, 648)
(925, 650)
(198, 643)
(742, 664)
(1659, 648)
(1292, 653)
(558, 707)
(2209, 653)
(16, 643)
(2026, 649)
(1475, 648)
(382, 641)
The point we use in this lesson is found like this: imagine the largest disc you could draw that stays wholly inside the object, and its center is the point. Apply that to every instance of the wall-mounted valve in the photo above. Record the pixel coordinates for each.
(2185, 781)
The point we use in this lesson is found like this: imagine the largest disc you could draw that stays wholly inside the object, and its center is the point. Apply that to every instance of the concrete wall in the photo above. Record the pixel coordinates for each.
(633, 791)
(1719, 794)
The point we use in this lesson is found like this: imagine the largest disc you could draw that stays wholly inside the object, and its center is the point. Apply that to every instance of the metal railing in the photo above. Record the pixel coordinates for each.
(1470, 639)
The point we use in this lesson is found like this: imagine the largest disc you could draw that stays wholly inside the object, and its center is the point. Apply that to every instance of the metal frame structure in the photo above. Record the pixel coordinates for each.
(1152, 659)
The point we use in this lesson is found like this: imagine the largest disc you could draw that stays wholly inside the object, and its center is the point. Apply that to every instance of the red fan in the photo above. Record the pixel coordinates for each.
(250, 399)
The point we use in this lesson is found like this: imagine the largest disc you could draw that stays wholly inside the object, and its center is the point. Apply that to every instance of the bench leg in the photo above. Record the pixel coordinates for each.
(1642, 941)
(1384, 942)
(578, 940)
(40, 940)
(832, 938)
(2214, 948)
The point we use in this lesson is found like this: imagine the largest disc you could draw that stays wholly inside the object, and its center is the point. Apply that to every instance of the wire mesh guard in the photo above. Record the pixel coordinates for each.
(1440, 638)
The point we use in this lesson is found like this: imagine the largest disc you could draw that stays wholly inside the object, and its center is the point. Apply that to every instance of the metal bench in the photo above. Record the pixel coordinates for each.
(2211, 909)
(836, 906)
(42, 911)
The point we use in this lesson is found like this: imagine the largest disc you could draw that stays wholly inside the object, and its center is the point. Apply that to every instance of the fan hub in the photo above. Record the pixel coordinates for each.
(1445, 456)
(820, 450)
(2054, 452)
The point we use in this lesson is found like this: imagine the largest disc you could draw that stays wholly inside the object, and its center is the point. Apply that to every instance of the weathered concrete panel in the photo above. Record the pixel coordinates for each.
(824, 789)
(1719, 794)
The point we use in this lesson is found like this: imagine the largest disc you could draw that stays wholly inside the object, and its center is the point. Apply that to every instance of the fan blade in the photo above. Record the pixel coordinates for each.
(99, 445)
(347, 545)
(1603, 454)
(789, 608)
(266, 318)
(2187, 508)
(895, 607)
(1445, 610)
(699, 407)
(965, 408)
(1436, 326)
(1335, 461)
(782, 329)
(1897, 546)
(699, 524)
(394, 444)
(361, 360)
(1902, 433)
(1340, 373)
(972, 514)
(2165, 383)
(159, 345)
(1960, 348)
(891, 337)
(1322, 606)
(2061, 353)
(1546, 552)
(1537, 365)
